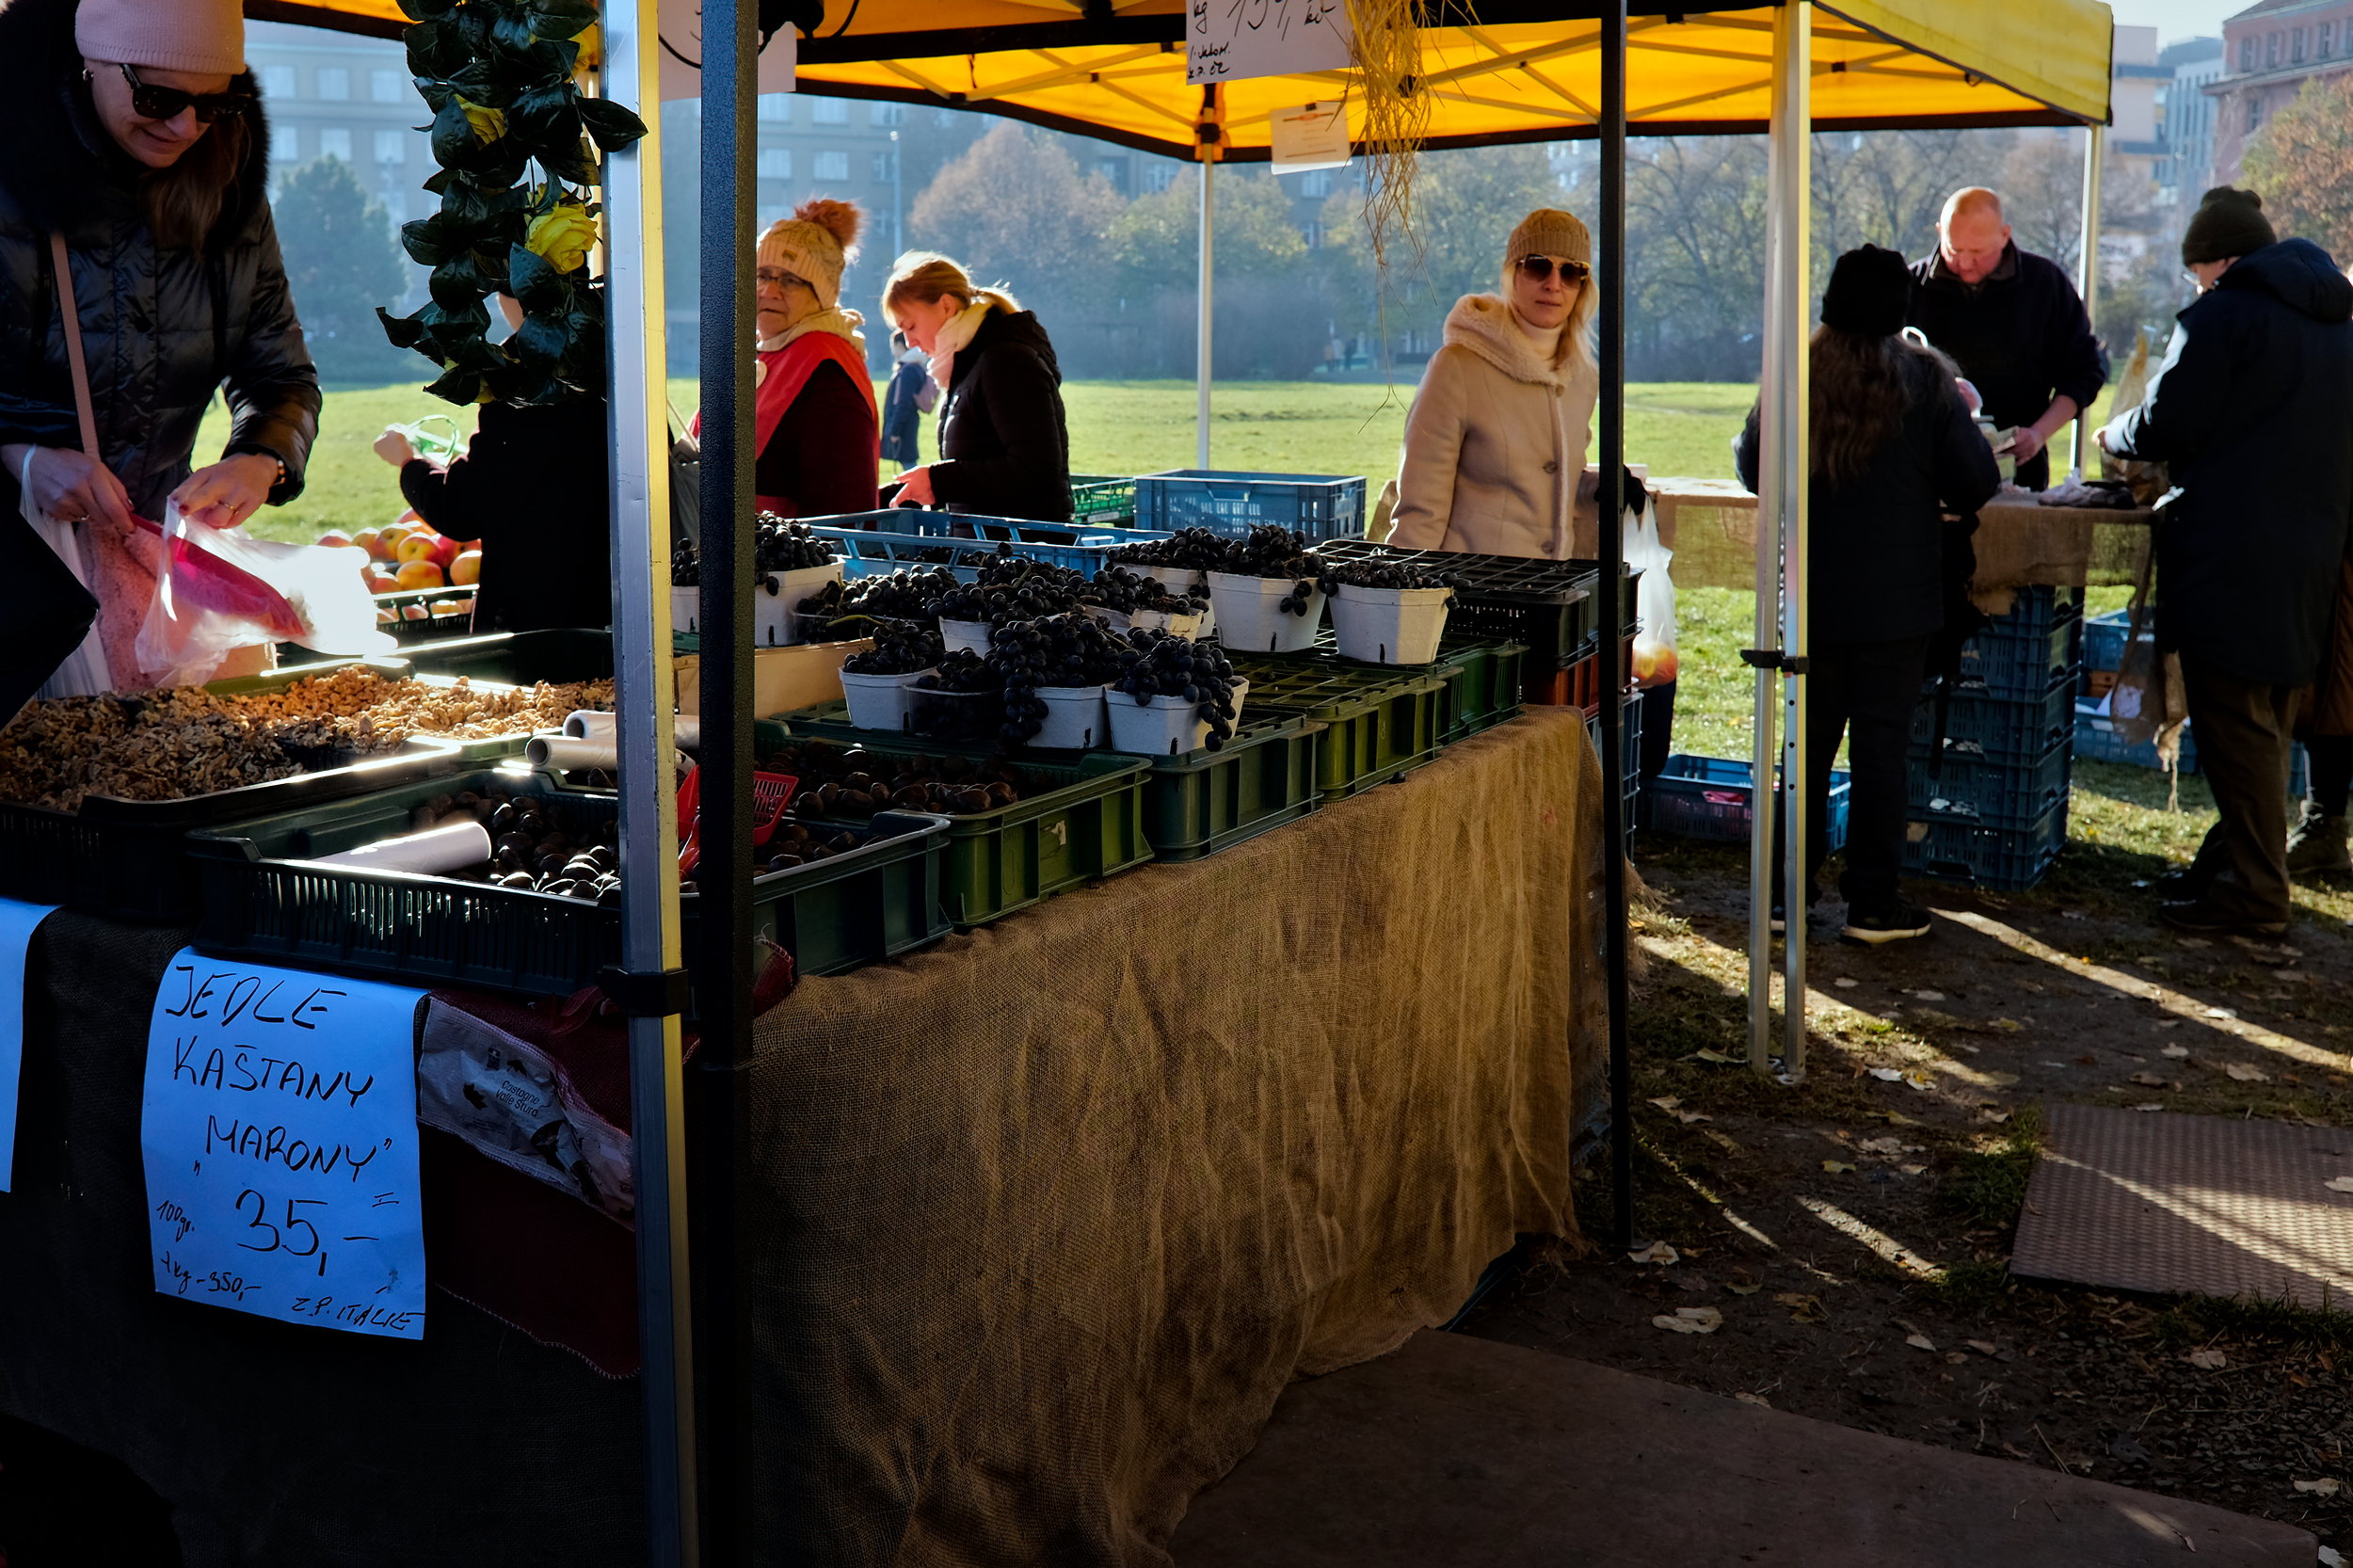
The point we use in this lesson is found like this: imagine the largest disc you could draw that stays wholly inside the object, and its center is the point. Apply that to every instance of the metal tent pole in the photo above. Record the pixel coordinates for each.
(1781, 618)
(1610, 422)
(2088, 270)
(643, 697)
(1208, 136)
(723, 955)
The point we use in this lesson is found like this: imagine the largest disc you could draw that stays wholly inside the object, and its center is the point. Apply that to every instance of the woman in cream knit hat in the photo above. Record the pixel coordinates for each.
(815, 426)
(1495, 444)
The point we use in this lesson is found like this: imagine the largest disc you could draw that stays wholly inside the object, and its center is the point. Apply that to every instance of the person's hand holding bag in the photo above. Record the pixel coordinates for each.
(70, 486)
(230, 491)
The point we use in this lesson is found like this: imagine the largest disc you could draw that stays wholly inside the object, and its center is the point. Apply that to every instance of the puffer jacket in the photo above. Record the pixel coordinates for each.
(163, 329)
(2252, 409)
(1004, 447)
(1496, 442)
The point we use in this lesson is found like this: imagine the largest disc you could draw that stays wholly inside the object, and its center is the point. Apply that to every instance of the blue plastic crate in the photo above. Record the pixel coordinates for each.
(2104, 638)
(1956, 847)
(2097, 741)
(2039, 606)
(873, 543)
(1998, 792)
(2024, 655)
(2003, 727)
(1321, 505)
(1711, 797)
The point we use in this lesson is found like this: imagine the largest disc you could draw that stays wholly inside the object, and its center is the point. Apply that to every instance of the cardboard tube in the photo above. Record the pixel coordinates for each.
(451, 847)
(567, 753)
(589, 725)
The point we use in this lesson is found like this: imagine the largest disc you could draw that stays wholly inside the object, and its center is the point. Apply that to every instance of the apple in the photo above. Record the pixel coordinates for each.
(366, 540)
(334, 536)
(412, 612)
(384, 616)
(413, 516)
(420, 574)
(445, 551)
(416, 547)
(466, 568)
(386, 545)
(445, 607)
(381, 584)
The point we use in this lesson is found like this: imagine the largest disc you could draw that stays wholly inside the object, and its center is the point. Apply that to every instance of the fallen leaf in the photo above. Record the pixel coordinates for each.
(1744, 1285)
(2002, 1080)
(2087, 1060)
(1690, 1320)
(1802, 1309)
(1845, 983)
(2327, 1486)
(2007, 1025)
(1657, 1252)
(2245, 1072)
(2151, 1079)
(2193, 941)
(1934, 1018)
(2153, 1105)
(1757, 1399)
(1668, 1102)
(1919, 1080)
(1836, 1166)
(2222, 1012)
(1886, 1145)
(2178, 1053)
(1956, 1357)
(1983, 1347)
(2338, 1184)
(1894, 1118)
(1718, 1057)
(1919, 1341)
(1914, 1170)
(1687, 1117)
(2211, 1361)
(1930, 996)
(1887, 1075)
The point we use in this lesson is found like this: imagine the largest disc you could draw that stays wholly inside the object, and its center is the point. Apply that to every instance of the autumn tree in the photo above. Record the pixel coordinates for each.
(1013, 207)
(341, 263)
(2301, 162)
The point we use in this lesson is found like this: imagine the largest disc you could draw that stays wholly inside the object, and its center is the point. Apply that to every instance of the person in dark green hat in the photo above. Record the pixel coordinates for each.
(2251, 409)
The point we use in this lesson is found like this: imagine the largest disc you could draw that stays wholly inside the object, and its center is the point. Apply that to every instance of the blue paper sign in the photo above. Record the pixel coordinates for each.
(17, 922)
(280, 1133)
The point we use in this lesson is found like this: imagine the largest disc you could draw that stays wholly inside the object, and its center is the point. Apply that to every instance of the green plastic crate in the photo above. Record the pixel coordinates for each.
(1103, 499)
(1483, 687)
(1206, 801)
(259, 899)
(1381, 722)
(1087, 822)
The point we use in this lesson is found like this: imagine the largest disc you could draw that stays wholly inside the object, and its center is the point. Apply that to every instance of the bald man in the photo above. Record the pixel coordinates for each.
(2014, 324)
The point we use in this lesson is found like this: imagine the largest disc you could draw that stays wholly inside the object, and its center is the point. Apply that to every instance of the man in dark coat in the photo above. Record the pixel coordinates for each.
(2012, 322)
(2251, 409)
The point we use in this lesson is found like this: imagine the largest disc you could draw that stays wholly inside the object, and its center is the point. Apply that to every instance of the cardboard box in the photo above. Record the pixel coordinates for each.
(783, 678)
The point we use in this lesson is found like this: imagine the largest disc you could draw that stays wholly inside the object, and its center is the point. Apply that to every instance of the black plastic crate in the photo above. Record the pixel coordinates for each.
(263, 898)
(2007, 727)
(520, 658)
(1956, 847)
(1630, 748)
(1549, 607)
(1998, 792)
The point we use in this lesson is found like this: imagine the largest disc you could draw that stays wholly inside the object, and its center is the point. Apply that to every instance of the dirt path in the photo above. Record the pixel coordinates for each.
(1853, 1232)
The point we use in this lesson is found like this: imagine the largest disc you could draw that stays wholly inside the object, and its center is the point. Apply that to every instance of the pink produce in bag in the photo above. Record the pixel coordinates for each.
(220, 589)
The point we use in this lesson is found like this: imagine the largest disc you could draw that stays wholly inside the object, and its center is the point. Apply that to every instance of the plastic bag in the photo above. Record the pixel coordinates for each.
(1654, 597)
(220, 589)
(83, 671)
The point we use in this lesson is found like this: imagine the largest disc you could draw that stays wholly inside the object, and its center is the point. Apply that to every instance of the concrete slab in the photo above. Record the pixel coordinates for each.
(1455, 1450)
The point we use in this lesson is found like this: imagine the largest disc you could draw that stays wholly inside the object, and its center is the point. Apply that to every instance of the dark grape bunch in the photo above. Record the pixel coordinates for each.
(1161, 664)
(1118, 589)
(1273, 552)
(942, 703)
(782, 546)
(856, 783)
(962, 671)
(1385, 574)
(685, 570)
(1068, 649)
(1187, 550)
(902, 596)
(897, 650)
(530, 850)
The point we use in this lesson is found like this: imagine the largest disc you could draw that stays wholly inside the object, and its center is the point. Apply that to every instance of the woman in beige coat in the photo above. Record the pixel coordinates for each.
(1494, 445)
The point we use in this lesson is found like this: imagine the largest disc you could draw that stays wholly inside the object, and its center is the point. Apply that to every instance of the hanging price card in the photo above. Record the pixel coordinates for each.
(17, 922)
(280, 1132)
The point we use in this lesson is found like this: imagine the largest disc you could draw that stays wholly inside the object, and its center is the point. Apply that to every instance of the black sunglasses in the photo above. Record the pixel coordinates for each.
(1537, 268)
(150, 100)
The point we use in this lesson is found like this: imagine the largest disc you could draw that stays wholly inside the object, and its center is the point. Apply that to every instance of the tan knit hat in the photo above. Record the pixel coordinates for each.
(203, 37)
(815, 243)
(1549, 232)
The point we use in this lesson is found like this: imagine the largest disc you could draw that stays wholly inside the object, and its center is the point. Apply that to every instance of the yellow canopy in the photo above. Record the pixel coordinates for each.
(1118, 71)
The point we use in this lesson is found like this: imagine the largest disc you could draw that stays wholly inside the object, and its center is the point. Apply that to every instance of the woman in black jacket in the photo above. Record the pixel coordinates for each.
(1004, 448)
(1894, 451)
(133, 136)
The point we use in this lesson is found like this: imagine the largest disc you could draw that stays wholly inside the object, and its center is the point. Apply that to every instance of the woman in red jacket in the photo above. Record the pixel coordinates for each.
(815, 426)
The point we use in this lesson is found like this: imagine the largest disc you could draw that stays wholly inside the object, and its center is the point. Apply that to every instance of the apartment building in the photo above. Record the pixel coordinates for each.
(2269, 50)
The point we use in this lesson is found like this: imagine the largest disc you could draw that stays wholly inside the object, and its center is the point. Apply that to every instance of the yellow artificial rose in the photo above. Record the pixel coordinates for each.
(592, 49)
(488, 125)
(564, 237)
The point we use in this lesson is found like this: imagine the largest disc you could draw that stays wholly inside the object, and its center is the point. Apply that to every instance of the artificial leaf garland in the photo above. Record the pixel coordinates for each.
(499, 77)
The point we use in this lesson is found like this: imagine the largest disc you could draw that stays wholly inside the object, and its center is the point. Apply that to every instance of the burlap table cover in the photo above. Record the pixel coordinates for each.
(1711, 526)
(1042, 1220)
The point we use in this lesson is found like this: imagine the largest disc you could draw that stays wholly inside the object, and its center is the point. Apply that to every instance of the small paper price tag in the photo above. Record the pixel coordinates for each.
(1227, 42)
(1314, 135)
(280, 1133)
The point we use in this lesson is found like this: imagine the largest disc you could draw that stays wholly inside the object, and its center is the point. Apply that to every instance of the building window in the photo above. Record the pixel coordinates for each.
(2328, 38)
(1157, 176)
(882, 168)
(2297, 43)
(1316, 183)
(387, 87)
(286, 147)
(334, 83)
(775, 163)
(831, 166)
(335, 142)
(829, 111)
(2255, 113)
(775, 108)
(2272, 48)
(392, 146)
(2247, 53)
(885, 114)
(278, 81)
(1315, 236)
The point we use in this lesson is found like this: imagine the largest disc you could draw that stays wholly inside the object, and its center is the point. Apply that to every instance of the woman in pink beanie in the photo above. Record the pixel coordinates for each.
(135, 137)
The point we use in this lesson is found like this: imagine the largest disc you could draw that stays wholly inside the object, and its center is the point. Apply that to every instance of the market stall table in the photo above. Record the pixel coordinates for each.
(1042, 1220)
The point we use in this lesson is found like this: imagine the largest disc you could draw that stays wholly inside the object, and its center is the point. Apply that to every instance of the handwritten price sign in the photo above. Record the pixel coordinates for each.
(279, 1131)
(1226, 40)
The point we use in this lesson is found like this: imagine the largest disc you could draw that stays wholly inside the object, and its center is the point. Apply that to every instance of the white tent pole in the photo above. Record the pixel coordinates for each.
(644, 695)
(1780, 545)
(1203, 327)
(2087, 272)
